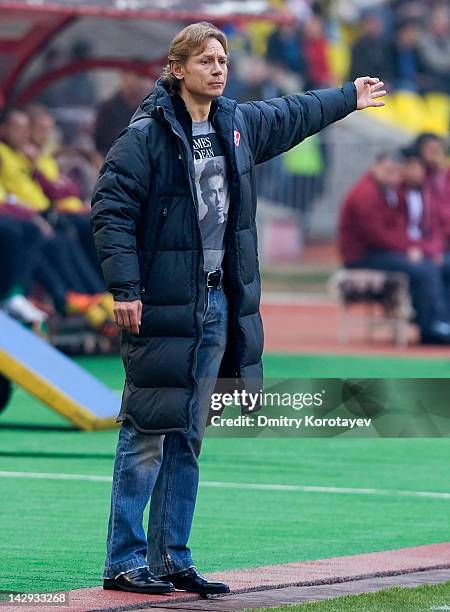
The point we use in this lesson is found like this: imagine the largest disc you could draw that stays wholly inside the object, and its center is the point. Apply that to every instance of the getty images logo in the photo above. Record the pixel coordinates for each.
(266, 399)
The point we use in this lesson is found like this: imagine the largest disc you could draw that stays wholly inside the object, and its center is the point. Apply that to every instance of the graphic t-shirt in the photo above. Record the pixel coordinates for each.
(213, 196)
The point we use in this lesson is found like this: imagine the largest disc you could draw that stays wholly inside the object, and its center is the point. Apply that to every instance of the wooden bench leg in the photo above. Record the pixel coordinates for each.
(344, 327)
(400, 332)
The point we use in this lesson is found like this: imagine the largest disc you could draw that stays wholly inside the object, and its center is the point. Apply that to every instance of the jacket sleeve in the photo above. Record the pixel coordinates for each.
(122, 189)
(277, 125)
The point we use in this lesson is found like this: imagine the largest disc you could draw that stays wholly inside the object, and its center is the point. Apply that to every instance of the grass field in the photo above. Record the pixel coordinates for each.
(419, 599)
(54, 513)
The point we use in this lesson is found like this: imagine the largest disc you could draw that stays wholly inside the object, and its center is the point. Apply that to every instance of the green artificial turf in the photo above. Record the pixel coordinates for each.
(54, 530)
(354, 366)
(398, 599)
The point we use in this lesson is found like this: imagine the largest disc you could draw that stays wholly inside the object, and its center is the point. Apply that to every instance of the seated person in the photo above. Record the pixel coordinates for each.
(373, 234)
(424, 218)
(73, 214)
(21, 241)
(432, 152)
(15, 172)
(64, 269)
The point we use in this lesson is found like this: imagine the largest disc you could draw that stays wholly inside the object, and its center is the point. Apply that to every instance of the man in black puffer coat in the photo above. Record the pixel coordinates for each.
(173, 216)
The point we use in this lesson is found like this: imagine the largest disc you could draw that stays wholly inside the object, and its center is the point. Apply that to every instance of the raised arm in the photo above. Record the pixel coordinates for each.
(277, 125)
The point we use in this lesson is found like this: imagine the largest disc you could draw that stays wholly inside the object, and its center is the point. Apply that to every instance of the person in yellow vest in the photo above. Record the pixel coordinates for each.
(65, 198)
(15, 171)
(63, 270)
(60, 189)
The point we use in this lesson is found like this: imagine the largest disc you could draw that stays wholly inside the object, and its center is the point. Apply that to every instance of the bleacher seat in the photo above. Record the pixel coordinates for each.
(411, 110)
(438, 113)
(415, 113)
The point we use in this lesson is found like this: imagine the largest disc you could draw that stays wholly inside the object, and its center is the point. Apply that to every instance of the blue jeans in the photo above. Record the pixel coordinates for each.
(425, 282)
(165, 468)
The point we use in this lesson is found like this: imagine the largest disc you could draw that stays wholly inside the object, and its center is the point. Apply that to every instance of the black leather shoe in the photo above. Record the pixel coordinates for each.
(138, 581)
(191, 580)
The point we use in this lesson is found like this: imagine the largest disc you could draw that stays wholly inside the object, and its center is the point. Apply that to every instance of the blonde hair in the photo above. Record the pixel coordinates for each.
(185, 43)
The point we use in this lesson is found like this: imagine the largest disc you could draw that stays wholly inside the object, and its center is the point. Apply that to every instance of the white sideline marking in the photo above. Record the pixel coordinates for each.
(55, 476)
(240, 485)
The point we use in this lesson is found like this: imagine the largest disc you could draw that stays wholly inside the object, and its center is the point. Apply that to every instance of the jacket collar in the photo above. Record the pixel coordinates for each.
(160, 105)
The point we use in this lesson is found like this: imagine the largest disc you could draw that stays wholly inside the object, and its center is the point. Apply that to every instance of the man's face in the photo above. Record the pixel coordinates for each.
(388, 173)
(40, 130)
(16, 130)
(373, 26)
(433, 152)
(413, 172)
(213, 195)
(408, 36)
(440, 22)
(204, 75)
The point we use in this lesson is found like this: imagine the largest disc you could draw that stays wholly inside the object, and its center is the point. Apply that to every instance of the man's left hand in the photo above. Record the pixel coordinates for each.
(368, 92)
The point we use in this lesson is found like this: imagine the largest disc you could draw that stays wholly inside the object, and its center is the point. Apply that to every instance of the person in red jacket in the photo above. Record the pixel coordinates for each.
(433, 153)
(431, 149)
(373, 234)
(425, 229)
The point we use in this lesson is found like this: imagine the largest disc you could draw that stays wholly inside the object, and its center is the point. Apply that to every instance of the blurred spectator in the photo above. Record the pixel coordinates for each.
(20, 248)
(432, 150)
(373, 234)
(315, 52)
(371, 219)
(75, 90)
(62, 192)
(80, 87)
(63, 269)
(283, 49)
(424, 220)
(370, 52)
(55, 94)
(405, 60)
(429, 216)
(434, 49)
(114, 114)
(15, 172)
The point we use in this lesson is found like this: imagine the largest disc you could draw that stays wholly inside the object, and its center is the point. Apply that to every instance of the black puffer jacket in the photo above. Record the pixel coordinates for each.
(148, 240)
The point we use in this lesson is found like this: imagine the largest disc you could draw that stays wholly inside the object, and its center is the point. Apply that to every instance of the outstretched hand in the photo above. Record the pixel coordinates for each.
(368, 90)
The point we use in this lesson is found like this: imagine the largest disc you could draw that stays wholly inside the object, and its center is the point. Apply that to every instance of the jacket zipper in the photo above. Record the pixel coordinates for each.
(181, 148)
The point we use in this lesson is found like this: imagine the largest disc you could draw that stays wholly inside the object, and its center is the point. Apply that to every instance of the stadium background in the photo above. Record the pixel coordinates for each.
(56, 479)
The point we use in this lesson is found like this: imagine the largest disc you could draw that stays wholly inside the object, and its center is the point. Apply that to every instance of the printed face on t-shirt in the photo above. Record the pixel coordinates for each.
(213, 194)
(212, 188)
